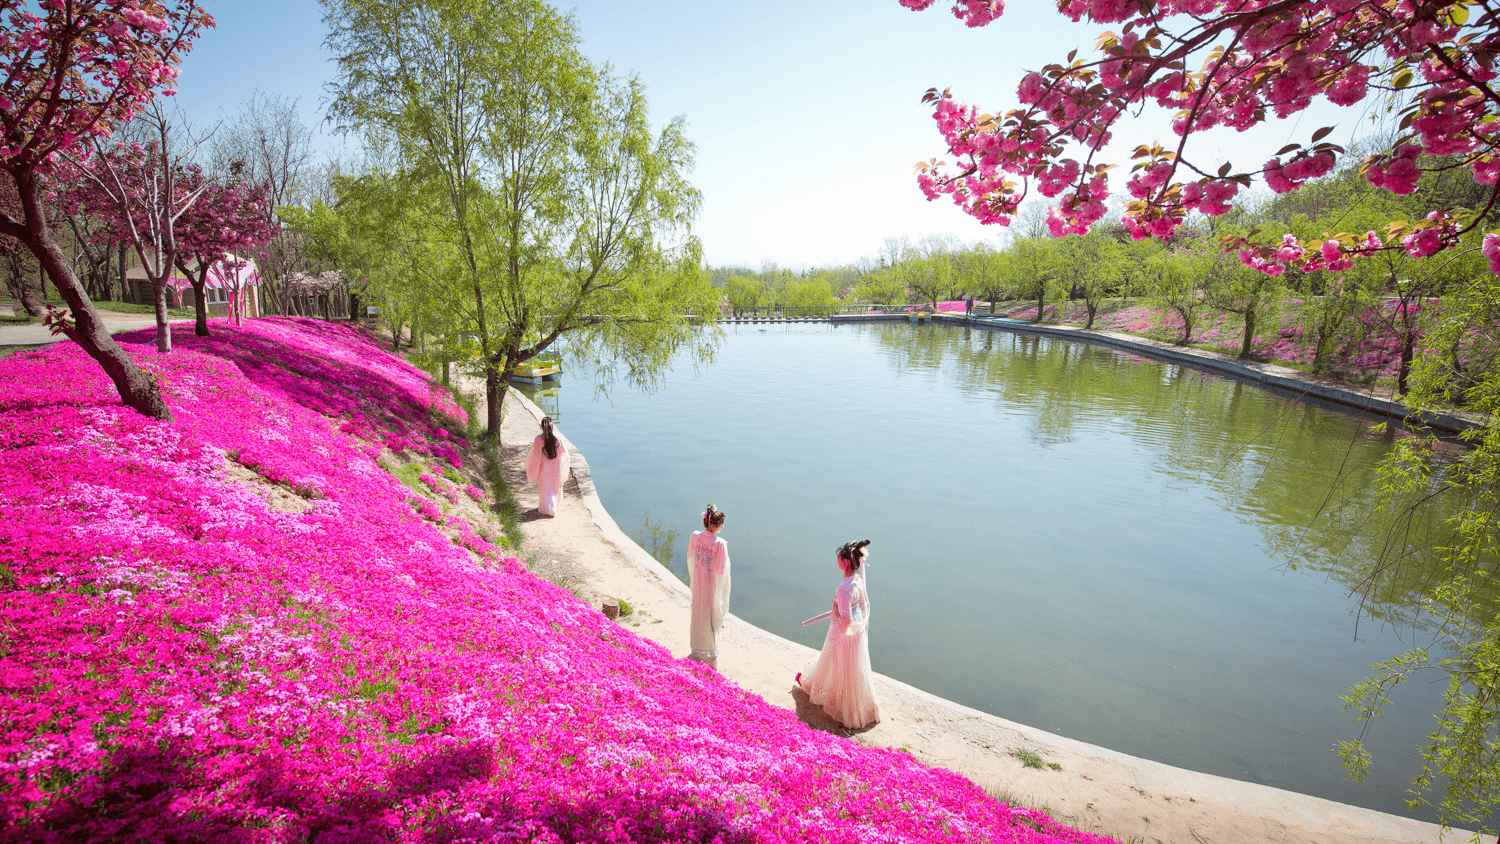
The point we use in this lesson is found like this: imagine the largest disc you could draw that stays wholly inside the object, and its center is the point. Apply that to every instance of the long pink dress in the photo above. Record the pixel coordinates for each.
(840, 681)
(708, 570)
(548, 474)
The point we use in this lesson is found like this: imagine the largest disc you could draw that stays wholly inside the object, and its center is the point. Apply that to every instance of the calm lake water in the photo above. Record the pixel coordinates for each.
(1129, 553)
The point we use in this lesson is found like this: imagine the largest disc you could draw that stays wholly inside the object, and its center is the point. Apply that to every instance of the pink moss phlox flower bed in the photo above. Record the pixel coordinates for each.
(182, 659)
(1366, 349)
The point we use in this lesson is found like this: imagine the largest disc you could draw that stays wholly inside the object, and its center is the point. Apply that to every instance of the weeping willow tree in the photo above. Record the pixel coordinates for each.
(1462, 756)
(550, 206)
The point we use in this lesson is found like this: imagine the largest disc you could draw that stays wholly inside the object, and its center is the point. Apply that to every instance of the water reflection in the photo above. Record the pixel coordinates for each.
(1314, 494)
(547, 396)
(660, 542)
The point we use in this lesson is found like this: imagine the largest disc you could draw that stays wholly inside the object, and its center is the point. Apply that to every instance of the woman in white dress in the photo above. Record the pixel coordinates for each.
(708, 569)
(547, 467)
(840, 681)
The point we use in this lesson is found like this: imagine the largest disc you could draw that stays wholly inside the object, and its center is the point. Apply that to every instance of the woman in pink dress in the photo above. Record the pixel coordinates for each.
(547, 467)
(840, 679)
(708, 569)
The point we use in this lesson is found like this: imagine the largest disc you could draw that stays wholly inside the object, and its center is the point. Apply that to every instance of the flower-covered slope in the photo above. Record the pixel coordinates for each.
(184, 659)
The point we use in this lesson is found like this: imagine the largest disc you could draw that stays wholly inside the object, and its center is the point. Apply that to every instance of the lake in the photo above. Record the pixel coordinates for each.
(1130, 553)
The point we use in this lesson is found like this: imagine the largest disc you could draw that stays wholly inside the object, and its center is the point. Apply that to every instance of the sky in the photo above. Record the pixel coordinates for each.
(807, 116)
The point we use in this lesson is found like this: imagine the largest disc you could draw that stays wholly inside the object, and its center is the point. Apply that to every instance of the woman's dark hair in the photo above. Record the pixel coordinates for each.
(549, 439)
(713, 517)
(853, 553)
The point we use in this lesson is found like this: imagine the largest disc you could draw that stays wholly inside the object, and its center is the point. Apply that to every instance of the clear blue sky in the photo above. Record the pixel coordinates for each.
(807, 115)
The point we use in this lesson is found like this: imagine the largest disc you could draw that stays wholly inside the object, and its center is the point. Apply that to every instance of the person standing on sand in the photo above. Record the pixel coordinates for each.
(547, 467)
(840, 680)
(708, 569)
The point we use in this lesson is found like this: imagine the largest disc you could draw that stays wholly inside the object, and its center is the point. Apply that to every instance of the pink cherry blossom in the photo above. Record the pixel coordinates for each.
(1490, 248)
(1218, 63)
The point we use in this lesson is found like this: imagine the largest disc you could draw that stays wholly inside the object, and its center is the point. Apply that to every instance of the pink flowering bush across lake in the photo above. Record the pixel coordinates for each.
(237, 627)
(1368, 350)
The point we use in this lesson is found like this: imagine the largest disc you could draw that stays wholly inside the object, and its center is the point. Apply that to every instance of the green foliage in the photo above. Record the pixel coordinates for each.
(884, 287)
(1092, 267)
(1464, 749)
(150, 310)
(1034, 271)
(811, 294)
(409, 475)
(505, 505)
(525, 195)
(1230, 286)
(1171, 283)
(1029, 758)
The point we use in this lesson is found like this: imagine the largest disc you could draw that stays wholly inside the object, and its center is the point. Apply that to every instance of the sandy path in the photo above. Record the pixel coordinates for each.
(1093, 788)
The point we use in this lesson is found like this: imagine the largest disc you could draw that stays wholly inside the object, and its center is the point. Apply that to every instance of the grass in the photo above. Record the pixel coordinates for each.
(505, 505)
(132, 308)
(1029, 758)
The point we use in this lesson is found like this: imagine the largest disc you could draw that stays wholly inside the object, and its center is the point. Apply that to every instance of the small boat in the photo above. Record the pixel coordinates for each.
(536, 373)
(918, 317)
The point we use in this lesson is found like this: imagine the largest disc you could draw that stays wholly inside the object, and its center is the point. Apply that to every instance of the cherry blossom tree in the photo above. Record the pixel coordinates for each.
(142, 191)
(1234, 63)
(228, 218)
(71, 71)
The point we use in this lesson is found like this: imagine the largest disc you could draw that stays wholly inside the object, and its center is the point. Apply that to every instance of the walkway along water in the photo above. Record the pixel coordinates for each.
(1293, 381)
(1091, 787)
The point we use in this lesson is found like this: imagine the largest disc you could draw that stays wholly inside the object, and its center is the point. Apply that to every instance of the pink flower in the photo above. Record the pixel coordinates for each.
(1399, 174)
(1290, 250)
(1491, 251)
(1334, 257)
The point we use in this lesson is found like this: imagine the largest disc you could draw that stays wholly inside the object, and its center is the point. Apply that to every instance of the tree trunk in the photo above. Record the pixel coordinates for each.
(163, 325)
(1041, 301)
(1408, 345)
(200, 306)
(1187, 326)
(1093, 309)
(494, 399)
(1321, 353)
(125, 292)
(1249, 339)
(31, 300)
(138, 389)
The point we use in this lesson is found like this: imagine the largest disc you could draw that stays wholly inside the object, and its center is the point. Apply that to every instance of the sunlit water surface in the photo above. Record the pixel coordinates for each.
(1129, 553)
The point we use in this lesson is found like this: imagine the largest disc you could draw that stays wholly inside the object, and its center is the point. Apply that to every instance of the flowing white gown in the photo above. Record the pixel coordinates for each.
(548, 474)
(839, 680)
(708, 568)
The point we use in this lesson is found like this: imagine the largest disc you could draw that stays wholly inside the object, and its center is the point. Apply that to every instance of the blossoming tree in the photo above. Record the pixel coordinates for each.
(229, 217)
(1233, 63)
(71, 71)
(142, 191)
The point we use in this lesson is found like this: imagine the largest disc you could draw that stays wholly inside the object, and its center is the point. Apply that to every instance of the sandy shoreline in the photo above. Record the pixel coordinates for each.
(1093, 789)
